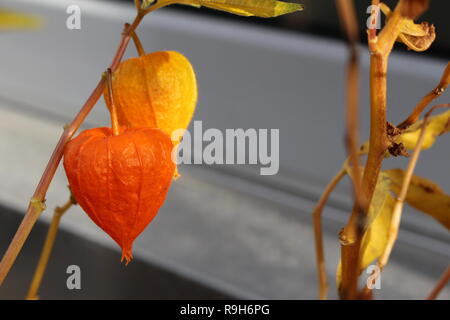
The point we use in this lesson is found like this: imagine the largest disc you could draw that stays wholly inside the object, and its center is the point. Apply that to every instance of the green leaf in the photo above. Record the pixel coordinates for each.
(259, 8)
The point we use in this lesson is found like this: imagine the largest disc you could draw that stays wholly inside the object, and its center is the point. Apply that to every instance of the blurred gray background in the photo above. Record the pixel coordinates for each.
(225, 231)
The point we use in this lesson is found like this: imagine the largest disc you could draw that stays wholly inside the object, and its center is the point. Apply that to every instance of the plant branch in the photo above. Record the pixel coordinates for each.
(372, 32)
(387, 37)
(347, 14)
(440, 285)
(47, 249)
(318, 238)
(426, 100)
(137, 42)
(37, 205)
(113, 111)
(351, 235)
(399, 201)
(398, 206)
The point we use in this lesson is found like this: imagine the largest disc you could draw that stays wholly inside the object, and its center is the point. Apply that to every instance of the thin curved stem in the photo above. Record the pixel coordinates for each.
(440, 285)
(138, 44)
(349, 22)
(113, 110)
(137, 4)
(426, 100)
(318, 237)
(37, 205)
(399, 201)
(372, 32)
(351, 235)
(47, 249)
(347, 17)
(398, 206)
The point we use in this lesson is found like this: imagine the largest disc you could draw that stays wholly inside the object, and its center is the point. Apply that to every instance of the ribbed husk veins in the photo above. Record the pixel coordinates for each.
(120, 181)
(158, 90)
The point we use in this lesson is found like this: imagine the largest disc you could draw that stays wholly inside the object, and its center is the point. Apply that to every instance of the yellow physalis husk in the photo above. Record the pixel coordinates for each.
(14, 21)
(157, 90)
(247, 8)
(417, 37)
(424, 195)
(378, 222)
(437, 125)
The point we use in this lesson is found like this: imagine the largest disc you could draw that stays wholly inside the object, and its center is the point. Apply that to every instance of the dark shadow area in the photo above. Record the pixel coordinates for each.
(320, 18)
(102, 274)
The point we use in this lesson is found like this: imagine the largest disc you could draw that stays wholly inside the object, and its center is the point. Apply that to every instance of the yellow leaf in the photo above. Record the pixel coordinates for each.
(424, 195)
(259, 8)
(378, 222)
(13, 21)
(417, 37)
(437, 125)
(412, 29)
(422, 42)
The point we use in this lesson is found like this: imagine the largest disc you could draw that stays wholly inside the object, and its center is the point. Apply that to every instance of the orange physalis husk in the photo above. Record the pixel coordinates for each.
(120, 181)
(158, 90)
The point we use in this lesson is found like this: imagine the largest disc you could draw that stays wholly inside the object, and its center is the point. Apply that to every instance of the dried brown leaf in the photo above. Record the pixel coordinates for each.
(417, 37)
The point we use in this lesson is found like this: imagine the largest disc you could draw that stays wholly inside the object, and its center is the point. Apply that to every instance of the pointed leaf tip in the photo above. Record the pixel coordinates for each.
(247, 8)
(379, 219)
(436, 126)
(424, 195)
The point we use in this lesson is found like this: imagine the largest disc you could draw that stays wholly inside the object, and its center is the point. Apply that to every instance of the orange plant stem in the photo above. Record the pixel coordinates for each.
(318, 238)
(138, 44)
(426, 100)
(347, 14)
(440, 285)
(400, 199)
(36, 206)
(349, 22)
(113, 111)
(47, 249)
(351, 235)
